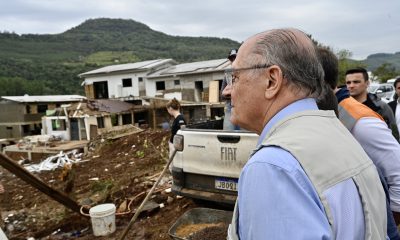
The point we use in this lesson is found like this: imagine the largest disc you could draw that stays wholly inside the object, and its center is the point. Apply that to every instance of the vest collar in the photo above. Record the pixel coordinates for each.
(297, 106)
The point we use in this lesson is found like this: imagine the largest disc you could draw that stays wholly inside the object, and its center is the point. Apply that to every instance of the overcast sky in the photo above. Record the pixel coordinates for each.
(361, 26)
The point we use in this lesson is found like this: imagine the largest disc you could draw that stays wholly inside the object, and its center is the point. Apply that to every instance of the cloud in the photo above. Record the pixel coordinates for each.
(363, 27)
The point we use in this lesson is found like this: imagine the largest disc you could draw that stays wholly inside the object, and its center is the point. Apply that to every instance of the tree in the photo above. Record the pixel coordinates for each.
(345, 63)
(385, 71)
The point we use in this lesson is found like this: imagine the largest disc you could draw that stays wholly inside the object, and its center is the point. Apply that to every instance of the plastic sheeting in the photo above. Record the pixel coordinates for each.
(55, 161)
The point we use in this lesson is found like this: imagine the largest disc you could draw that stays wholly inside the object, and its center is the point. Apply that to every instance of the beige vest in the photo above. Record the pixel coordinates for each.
(329, 154)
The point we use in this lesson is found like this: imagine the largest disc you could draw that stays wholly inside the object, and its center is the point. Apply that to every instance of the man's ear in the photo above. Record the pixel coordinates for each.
(274, 80)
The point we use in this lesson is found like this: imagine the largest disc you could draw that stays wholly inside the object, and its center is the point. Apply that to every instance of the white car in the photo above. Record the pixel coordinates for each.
(384, 90)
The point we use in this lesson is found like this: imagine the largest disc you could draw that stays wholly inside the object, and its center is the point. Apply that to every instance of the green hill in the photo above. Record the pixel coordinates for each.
(375, 60)
(50, 63)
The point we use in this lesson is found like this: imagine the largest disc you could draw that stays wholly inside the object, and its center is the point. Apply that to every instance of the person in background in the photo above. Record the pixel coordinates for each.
(357, 82)
(165, 125)
(225, 95)
(295, 184)
(369, 129)
(173, 108)
(394, 104)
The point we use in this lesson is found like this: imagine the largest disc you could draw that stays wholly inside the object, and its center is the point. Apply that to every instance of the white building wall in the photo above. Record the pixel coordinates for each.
(187, 82)
(150, 86)
(114, 82)
(47, 128)
(89, 120)
(177, 95)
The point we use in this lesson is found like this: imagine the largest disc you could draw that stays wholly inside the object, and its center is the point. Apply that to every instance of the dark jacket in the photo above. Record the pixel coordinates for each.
(393, 106)
(176, 125)
(384, 110)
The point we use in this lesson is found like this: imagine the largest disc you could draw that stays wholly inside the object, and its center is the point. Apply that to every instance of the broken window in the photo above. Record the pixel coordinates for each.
(26, 128)
(160, 85)
(140, 79)
(198, 91)
(127, 82)
(100, 90)
(177, 82)
(100, 122)
(42, 108)
(58, 125)
(114, 120)
(126, 118)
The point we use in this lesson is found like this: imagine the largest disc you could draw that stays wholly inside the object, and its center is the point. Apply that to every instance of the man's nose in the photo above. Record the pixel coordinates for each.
(227, 91)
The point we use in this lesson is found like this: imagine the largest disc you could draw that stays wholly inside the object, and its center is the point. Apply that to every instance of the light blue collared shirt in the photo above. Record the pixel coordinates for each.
(277, 200)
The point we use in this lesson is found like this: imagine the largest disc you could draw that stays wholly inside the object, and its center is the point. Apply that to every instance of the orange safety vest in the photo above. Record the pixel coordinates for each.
(350, 111)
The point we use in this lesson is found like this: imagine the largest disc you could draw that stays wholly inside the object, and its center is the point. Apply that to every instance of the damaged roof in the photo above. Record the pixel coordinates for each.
(137, 66)
(192, 68)
(98, 106)
(45, 99)
(111, 106)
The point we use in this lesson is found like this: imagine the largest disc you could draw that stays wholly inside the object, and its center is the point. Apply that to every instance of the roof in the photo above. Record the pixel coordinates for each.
(44, 98)
(98, 106)
(137, 66)
(110, 106)
(194, 67)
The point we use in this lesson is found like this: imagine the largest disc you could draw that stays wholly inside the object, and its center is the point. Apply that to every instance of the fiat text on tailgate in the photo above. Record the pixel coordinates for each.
(208, 162)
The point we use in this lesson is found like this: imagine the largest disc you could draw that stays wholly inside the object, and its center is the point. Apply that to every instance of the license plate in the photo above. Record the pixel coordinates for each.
(226, 184)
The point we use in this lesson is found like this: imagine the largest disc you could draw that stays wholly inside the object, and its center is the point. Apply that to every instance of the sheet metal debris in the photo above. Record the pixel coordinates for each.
(55, 161)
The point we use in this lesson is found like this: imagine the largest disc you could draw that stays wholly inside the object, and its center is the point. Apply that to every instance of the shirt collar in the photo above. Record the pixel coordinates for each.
(297, 106)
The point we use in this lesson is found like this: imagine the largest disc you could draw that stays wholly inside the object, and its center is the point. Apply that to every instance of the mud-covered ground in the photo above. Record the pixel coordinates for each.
(116, 171)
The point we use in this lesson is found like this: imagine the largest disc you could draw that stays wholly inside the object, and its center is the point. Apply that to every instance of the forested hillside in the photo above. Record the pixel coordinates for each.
(373, 61)
(49, 64)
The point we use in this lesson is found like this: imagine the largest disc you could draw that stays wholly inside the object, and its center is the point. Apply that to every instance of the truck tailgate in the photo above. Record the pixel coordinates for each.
(215, 153)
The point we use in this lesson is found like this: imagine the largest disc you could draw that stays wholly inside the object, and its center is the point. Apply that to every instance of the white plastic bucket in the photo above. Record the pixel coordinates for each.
(103, 219)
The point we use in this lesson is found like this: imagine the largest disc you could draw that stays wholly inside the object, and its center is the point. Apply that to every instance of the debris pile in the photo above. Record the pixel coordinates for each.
(14, 220)
(56, 161)
(118, 170)
(29, 142)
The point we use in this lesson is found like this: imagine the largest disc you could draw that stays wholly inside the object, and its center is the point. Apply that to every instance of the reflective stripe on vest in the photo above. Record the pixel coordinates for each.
(350, 111)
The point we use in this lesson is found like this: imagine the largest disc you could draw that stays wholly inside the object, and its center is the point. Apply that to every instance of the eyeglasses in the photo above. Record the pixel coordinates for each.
(231, 74)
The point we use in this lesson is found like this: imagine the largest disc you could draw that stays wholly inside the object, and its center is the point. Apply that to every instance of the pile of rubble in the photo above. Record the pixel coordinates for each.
(56, 161)
(120, 169)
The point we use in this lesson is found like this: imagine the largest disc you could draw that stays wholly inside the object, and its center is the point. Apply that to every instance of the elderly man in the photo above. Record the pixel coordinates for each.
(298, 184)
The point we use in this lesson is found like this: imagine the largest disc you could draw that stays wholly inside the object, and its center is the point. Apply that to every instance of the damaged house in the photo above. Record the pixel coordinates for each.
(22, 115)
(85, 120)
(121, 81)
(194, 82)
(197, 85)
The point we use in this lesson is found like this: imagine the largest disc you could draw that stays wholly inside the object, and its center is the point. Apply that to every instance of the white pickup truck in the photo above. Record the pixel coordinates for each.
(209, 160)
